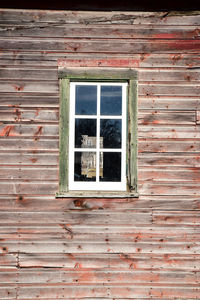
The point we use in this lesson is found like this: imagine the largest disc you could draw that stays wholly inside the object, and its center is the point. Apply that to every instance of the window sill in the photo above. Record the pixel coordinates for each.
(88, 194)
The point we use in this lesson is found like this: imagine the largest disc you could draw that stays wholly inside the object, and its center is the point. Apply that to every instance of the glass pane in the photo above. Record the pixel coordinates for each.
(86, 100)
(85, 133)
(110, 131)
(110, 166)
(85, 166)
(111, 100)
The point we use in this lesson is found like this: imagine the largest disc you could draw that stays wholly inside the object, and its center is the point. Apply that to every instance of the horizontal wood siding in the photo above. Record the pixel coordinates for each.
(134, 248)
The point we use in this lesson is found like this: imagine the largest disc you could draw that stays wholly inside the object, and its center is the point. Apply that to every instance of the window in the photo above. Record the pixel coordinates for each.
(98, 133)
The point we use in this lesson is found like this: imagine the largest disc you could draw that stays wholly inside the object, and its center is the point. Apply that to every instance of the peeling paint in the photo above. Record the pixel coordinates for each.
(8, 131)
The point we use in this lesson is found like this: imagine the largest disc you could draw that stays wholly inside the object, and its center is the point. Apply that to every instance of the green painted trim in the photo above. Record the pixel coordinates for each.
(64, 135)
(93, 194)
(133, 135)
(131, 156)
(107, 74)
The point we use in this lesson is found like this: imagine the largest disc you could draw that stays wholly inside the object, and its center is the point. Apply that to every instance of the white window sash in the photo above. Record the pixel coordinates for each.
(97, 185)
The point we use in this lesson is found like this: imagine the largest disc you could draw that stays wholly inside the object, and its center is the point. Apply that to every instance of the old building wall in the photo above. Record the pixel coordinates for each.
(139, 248)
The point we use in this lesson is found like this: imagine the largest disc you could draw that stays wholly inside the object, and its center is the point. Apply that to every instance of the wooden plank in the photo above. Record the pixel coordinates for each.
(98, 277)
(169, 132)
(84, 17)
(166, 159)
(169, 75)
(198, 117)
(169, 145)
(169, 189)
(27, 130)
(168, 89)
(17, 100)
(97, 73)
(97, 247)
(112, 261)
(132, 144)
(150, 60)
(48, 203)
(22, 58)
(33, 145)
(50, 74)
(44, 74)
(168, 292)
(29, 173)
(8, 292)
(169, 103)
(141, 237)
(170, 174)
(29, 115)
(77, 217)
(7, 188)
(30, 159)
(27, 231)
(8, 261)
(101, 46)
(160, 117)
(34, 187)
(112, 291)
(18, 29)
(64, 135)
(176, 217)
(28, 86)
(8, 276)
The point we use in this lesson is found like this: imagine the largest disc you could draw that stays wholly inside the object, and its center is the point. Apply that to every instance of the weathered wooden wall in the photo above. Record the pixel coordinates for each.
(100, 248)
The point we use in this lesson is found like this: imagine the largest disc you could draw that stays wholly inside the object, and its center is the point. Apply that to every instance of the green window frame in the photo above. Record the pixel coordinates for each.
(68, 75)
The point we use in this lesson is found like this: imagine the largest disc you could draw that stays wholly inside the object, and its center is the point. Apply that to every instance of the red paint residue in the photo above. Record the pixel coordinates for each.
(6, 131)
(38, 133)
(18, 88)
(99, 63)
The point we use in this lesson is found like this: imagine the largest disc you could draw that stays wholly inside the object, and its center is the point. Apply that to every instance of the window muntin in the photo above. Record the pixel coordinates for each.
(97, 136)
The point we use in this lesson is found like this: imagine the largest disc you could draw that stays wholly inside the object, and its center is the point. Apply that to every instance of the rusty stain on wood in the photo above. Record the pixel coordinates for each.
(108, 248)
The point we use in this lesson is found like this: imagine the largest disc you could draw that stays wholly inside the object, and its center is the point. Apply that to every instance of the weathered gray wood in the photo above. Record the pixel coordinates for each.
(97, 73)
(97, 277)
(150, 60)
(174, 131)
(28, 86)
(119, 248)
(27, 130)
(37, 115)
(113, 261)
(132, 135)
(168, 89)
(166, 188)
(169, 145)
(91, 31)
(50, 74)
(77, 217)
(169, 103)
(166, 159)
(102, 292)
(171, 18)
(33, 145)
(101, 46)
(64, 135)
(34, 173)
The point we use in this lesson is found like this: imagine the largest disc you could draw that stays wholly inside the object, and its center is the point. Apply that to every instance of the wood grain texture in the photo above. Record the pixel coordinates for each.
(88, 248)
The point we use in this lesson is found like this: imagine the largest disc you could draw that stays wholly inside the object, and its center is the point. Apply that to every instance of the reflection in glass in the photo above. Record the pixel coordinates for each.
(110, 131)
(85, 166)
(85, 133)
(111, 166)
(111, 100)
(86, 100)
